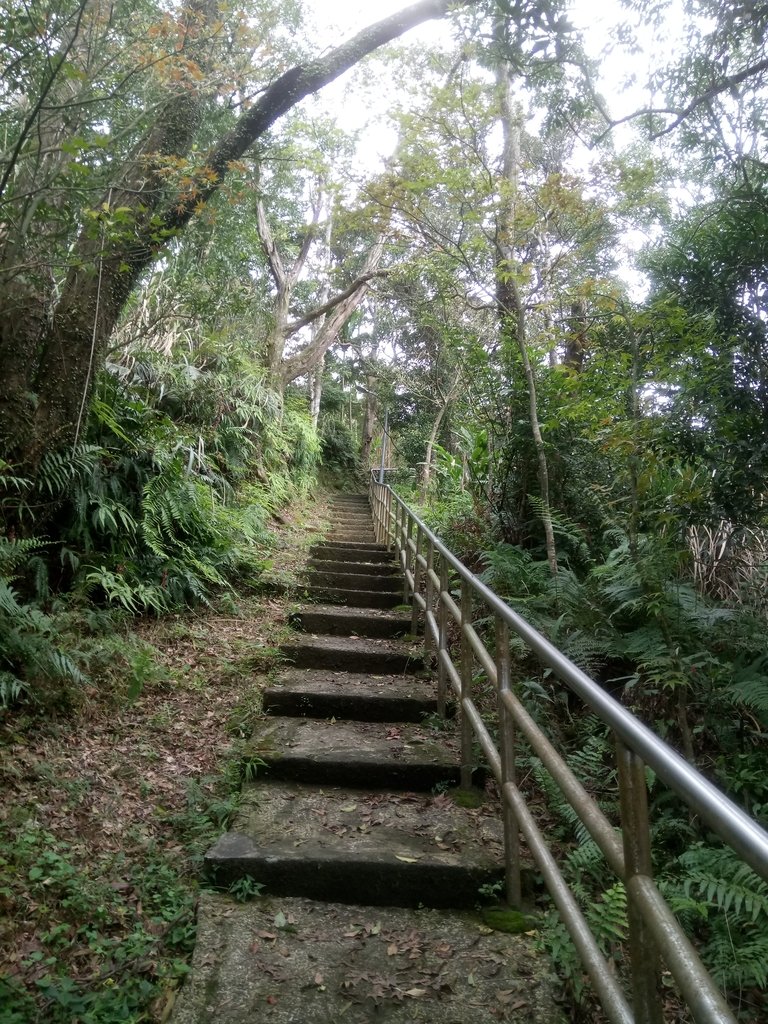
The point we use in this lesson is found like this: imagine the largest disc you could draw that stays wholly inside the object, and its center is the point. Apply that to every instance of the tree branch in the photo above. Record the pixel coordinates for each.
(680, 115)
(306, 245)
(268, 245)
(308, 357)
(315, 314)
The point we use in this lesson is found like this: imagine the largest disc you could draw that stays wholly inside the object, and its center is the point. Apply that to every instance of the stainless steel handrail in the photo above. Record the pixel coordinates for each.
(652, 924)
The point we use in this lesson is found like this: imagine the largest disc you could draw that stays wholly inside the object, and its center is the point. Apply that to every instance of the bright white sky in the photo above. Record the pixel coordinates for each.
(334, 21)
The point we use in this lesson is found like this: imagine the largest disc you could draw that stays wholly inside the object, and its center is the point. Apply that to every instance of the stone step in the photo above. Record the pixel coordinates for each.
(365, 529)
(401, 756)
(354, 566)
(355, 598)
(337, 620)
(342, 550)
(353, 654)
(286, 960)
(353, 580)
(352, 536)
(356, 846)
(363, 697)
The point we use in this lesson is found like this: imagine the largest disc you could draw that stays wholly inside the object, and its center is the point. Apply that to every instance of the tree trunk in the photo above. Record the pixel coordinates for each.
(369, 423)
(426, 475)
(316, 392)
(510, 305)
(576, 342)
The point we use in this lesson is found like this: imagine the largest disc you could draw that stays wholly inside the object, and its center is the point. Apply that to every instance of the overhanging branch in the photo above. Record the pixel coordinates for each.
(315, 314)
(297, 83)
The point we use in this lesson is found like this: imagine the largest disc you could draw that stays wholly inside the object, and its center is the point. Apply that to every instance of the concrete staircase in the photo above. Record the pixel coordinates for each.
(353, 808)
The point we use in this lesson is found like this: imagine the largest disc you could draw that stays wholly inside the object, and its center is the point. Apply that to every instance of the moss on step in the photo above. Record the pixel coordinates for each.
(505, 919)
(471, 798)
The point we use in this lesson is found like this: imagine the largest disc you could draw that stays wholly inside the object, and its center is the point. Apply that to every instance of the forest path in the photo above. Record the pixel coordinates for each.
(370, 861)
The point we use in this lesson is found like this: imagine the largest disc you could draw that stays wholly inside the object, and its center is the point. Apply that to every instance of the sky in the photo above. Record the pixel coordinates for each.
(334, 21)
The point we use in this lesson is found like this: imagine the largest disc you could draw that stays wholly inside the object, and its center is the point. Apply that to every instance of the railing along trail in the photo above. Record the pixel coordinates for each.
(433, 576)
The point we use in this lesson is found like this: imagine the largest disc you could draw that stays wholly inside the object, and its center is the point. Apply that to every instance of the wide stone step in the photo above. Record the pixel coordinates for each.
(337, 620)
(341, 550)
(353, 580)
(346, 525)
(401, 756)
(354, 654)
(350, 516)
(351, 536)
(288, 960)
(357, 846)
(354, 565)
(355, 696)
(355, 598)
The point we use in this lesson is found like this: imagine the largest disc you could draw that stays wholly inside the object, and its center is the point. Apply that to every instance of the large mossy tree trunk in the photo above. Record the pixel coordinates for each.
(53, 337)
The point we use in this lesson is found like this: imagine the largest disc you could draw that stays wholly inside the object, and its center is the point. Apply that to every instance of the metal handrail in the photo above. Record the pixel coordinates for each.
(653, 928)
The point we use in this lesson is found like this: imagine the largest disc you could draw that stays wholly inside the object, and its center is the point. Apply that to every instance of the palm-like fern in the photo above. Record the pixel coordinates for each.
(28, 652)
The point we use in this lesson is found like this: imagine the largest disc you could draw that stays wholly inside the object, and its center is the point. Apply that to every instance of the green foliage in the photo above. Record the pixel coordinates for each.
(245, 889)
(29, 653)
(726, 904)
(460, 523)
(140, 944)
(339, 447)
(166, 502)
(146, 509)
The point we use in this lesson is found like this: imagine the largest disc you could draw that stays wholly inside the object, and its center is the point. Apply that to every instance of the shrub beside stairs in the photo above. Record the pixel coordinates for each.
(367, 862)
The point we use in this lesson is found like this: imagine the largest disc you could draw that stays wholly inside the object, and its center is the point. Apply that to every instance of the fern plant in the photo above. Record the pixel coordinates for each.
(29, 654)
(726, 905)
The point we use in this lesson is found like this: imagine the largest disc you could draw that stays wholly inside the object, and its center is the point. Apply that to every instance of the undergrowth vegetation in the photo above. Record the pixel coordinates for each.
(136, 575)
(115, 784)
(672, 623)
(163, 502)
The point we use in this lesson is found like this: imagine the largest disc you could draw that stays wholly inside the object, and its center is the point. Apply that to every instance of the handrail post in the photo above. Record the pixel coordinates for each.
(636, 834)
(429, 599)
(442, 643)
(407, 537)
(379, 492)
(416, 582)
(507, 750)
(374, 498)
(467, 665)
